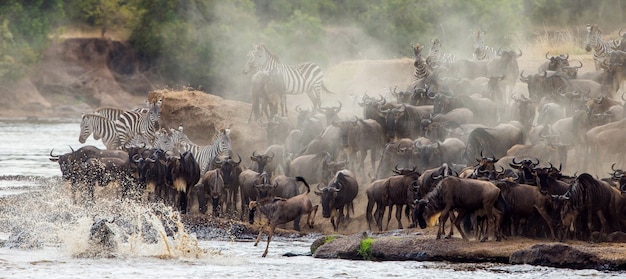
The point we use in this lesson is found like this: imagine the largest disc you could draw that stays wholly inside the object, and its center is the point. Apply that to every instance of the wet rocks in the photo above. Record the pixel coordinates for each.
(23, 239)
(555, 255)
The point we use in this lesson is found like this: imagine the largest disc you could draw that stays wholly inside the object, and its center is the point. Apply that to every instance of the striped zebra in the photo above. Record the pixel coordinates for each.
(481, 50)
(131, 123)
(297, 79)
(205, 154)
(114, 113)
(173, 140)
(421, 68)
(101, 127)
(436, 57)
(601, 49)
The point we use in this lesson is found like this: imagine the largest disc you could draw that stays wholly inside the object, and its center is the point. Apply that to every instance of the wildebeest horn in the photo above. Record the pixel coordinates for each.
(623, 97)
(435, 177)
(566, 56)
(382, 99)
(516, 163)
(254, 153)
(54, 156)
(535, 164)
(613, 167)
(239, 159)
(298, 109)
(272, 157)
(619, 33)
(216, 160)
(547, 55)
(136, 158)
(71, 148)
(519, 51)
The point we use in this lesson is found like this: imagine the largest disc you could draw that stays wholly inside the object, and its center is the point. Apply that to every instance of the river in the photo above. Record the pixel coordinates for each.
(43, 234)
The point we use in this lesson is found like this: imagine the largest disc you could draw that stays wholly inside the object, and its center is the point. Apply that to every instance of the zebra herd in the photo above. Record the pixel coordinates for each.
(123, 129)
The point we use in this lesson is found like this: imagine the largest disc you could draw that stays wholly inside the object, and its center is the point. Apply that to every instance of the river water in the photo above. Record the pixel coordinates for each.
(42, 234)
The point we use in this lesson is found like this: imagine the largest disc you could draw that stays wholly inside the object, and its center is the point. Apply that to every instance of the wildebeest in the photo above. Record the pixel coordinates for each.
(337, 195)
(449, 151)
(230, 172)
(248, 181)
(398, 153)
(311, 167)
(524, 201)
(398, 189)
(358, 137)
(280, 211)
(212, 185)
(375, 196)
(73, 165)
(402, 121)
(496, 140)
(593, 197)
(465, 196)
(183, 173)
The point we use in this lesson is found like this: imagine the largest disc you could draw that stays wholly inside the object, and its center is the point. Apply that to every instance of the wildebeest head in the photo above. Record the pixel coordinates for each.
(619, 176)
(347, 128)
(261, 160)
(486, 166)
(526, 167)
(228, 167)
(265, 189)
(331, 112)
(328, 194)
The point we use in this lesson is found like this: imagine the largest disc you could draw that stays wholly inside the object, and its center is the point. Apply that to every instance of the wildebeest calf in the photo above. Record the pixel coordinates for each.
(280, 211)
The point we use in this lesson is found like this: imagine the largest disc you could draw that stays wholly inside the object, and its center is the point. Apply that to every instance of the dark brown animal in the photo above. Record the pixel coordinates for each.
(466, 196)
(339, 194)
(212, 186)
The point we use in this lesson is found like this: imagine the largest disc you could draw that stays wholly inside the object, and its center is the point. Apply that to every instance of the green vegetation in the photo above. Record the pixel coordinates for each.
(365, 249)
(203, 43)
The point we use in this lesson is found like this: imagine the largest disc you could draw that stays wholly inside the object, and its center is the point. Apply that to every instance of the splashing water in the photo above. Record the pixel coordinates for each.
(47, 217)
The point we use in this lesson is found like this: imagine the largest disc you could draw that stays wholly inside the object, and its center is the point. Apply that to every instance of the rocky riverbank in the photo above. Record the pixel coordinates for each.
(415, 246)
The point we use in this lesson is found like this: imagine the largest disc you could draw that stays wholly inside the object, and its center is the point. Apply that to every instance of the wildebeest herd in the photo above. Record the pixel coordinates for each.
(459, 141)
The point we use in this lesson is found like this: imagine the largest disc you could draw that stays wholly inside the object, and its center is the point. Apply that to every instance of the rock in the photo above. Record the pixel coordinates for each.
(555, 255)
(23, 240)
(339, 248)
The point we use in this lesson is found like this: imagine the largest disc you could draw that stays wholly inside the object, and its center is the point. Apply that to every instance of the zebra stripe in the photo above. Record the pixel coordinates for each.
(114, 113)
(436, 57)
(101, 127)
(173, 140)
(131, 123)
(302, 78)
(421, 68)
(481, 50)
(601, 48)
(205, 154)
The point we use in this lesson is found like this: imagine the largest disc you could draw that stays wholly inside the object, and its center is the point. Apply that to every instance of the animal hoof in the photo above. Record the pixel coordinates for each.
(448, 237)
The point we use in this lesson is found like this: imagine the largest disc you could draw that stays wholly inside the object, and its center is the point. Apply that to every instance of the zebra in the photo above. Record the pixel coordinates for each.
(422, 70)
(101, 127)
(297, 79)
(436, 57)
(481, 50)
(131, 123)
(205, 154)
(173, 140)
(114, 113)
(601, 48)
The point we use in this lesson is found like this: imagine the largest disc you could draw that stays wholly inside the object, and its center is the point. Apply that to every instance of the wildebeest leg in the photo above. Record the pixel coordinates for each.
(452, 221)
(457, 222)
(296, 223)
(269, 238)
(310, 220)
(545, 217)
(258, 237)
(399, 208)
(379, 214)
(442, 220)
(603, 222)
(391, 206)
